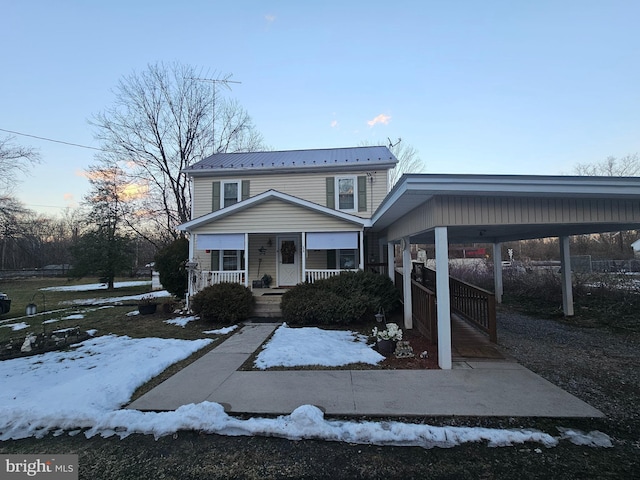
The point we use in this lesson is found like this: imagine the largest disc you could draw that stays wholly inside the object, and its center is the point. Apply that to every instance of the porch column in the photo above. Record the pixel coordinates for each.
(406, 282)
(246, 259)
(391, 261)
(361, 235)
(497, 271)
(303, 255)
(567, 287)
(442, 298)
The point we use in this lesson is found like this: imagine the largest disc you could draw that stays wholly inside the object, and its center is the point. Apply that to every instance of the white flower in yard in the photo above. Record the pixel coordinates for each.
(392, 332)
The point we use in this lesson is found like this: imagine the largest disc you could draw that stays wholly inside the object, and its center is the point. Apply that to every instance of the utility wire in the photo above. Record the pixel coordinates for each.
(52, 140)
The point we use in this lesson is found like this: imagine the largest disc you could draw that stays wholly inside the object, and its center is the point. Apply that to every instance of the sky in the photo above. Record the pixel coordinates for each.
(499, 87)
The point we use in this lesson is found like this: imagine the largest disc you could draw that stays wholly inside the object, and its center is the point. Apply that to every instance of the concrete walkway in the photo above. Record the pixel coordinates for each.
(484, 388)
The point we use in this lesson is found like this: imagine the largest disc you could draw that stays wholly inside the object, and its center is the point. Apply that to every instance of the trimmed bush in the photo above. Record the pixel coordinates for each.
(223, 302)
(340, 300)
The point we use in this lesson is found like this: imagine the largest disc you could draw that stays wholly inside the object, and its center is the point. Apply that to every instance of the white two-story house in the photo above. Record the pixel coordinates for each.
(296, 215)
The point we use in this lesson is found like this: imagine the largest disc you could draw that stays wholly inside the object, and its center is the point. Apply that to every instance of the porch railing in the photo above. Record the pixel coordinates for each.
(312, 276)
(209, 277)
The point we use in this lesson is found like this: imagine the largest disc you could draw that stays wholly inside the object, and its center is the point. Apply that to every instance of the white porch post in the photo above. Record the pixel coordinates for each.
(391, 261)
(304, 256)
(497, 271)
(442, 297)
(361, 266)
(406, 282)
(246, 259)
(192, 258)
(567, 287)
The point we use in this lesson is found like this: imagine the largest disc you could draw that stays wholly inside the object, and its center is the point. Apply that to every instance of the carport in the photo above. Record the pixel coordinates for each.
(464, 209)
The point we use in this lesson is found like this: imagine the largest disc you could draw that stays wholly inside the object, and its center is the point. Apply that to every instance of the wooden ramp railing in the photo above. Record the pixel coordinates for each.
(474, 304)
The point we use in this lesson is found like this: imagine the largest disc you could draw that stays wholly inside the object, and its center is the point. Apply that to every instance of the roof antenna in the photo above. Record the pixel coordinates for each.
(214, 82)
(391, 144)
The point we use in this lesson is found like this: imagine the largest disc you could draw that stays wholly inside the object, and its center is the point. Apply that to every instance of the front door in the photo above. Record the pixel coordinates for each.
(288, 261)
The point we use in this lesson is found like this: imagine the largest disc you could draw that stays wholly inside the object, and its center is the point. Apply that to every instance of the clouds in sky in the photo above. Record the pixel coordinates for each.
(382, 118)
(334, 123)
(270, 18)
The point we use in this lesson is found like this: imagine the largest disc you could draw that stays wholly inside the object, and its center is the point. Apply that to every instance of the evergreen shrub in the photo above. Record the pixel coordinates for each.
(223, 302)
(340, 300)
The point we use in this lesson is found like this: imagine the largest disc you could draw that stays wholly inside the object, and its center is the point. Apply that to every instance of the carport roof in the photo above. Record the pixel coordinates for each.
(414, 190)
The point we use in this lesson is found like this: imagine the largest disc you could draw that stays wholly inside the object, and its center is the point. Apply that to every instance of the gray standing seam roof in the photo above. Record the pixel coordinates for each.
(296, 159)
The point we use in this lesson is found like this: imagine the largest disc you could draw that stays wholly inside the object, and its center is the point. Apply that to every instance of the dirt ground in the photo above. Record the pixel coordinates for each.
(597, 365)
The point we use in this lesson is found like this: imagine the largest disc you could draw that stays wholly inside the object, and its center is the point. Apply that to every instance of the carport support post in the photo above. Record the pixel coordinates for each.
(497, 271)
(567, 287)
(406, 282)
(442, 298)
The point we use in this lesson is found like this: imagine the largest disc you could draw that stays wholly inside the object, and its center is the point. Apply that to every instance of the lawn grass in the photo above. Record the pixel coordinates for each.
(106, 319)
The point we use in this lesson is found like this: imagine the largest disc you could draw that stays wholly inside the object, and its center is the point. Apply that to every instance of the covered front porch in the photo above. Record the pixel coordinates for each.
(273, 260)
(273, 240)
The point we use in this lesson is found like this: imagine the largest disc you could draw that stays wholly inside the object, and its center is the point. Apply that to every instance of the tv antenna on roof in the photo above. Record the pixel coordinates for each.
(391, 144)
(214, 83)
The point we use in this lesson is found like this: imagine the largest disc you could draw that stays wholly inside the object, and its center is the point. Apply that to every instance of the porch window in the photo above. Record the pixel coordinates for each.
(232, 260)
(346, 193)
(347, 259)
(230, 193)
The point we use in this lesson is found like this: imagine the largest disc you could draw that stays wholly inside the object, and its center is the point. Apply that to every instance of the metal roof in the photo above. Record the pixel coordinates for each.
(288, 160)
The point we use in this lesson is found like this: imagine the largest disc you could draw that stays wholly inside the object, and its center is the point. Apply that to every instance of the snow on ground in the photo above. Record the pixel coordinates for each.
(117, 300)
(84, 390)
(96, 286)
(293, 347)
(75, 389)
(181, 321)
(16, 326)
(221, 331)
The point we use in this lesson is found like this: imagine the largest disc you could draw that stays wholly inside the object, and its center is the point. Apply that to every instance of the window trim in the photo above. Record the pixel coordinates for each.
(354, 179)
(238, 184)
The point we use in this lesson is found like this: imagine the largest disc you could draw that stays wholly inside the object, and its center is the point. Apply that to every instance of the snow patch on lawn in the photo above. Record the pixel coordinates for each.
(16, 326)
(293, 347)
(221, 331)
(181, 321)
(117, 300)
(96, 286)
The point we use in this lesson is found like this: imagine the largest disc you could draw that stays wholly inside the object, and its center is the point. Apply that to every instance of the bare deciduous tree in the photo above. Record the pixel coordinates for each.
(162, 122)
(14, 159)
(408, 159)
(627, 166)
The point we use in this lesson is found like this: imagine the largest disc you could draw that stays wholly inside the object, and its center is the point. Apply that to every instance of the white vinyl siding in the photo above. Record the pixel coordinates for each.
(307, 186)
(278, 217)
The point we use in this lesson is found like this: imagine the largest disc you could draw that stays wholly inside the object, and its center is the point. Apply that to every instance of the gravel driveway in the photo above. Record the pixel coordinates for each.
(599, 366)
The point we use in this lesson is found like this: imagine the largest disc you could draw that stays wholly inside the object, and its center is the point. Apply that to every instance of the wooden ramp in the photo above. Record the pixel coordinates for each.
(468, 342)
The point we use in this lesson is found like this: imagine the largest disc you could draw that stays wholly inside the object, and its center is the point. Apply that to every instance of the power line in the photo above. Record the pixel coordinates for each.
(52, 140)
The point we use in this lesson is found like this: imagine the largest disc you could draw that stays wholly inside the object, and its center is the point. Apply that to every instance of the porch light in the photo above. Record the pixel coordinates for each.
(32, 309)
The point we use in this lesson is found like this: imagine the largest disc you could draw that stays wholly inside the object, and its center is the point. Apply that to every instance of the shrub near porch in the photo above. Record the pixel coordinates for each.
(340, 300)
(224, 302)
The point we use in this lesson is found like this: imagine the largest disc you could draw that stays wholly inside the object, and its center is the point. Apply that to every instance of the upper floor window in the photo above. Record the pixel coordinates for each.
(230, 192)
(346, 196)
